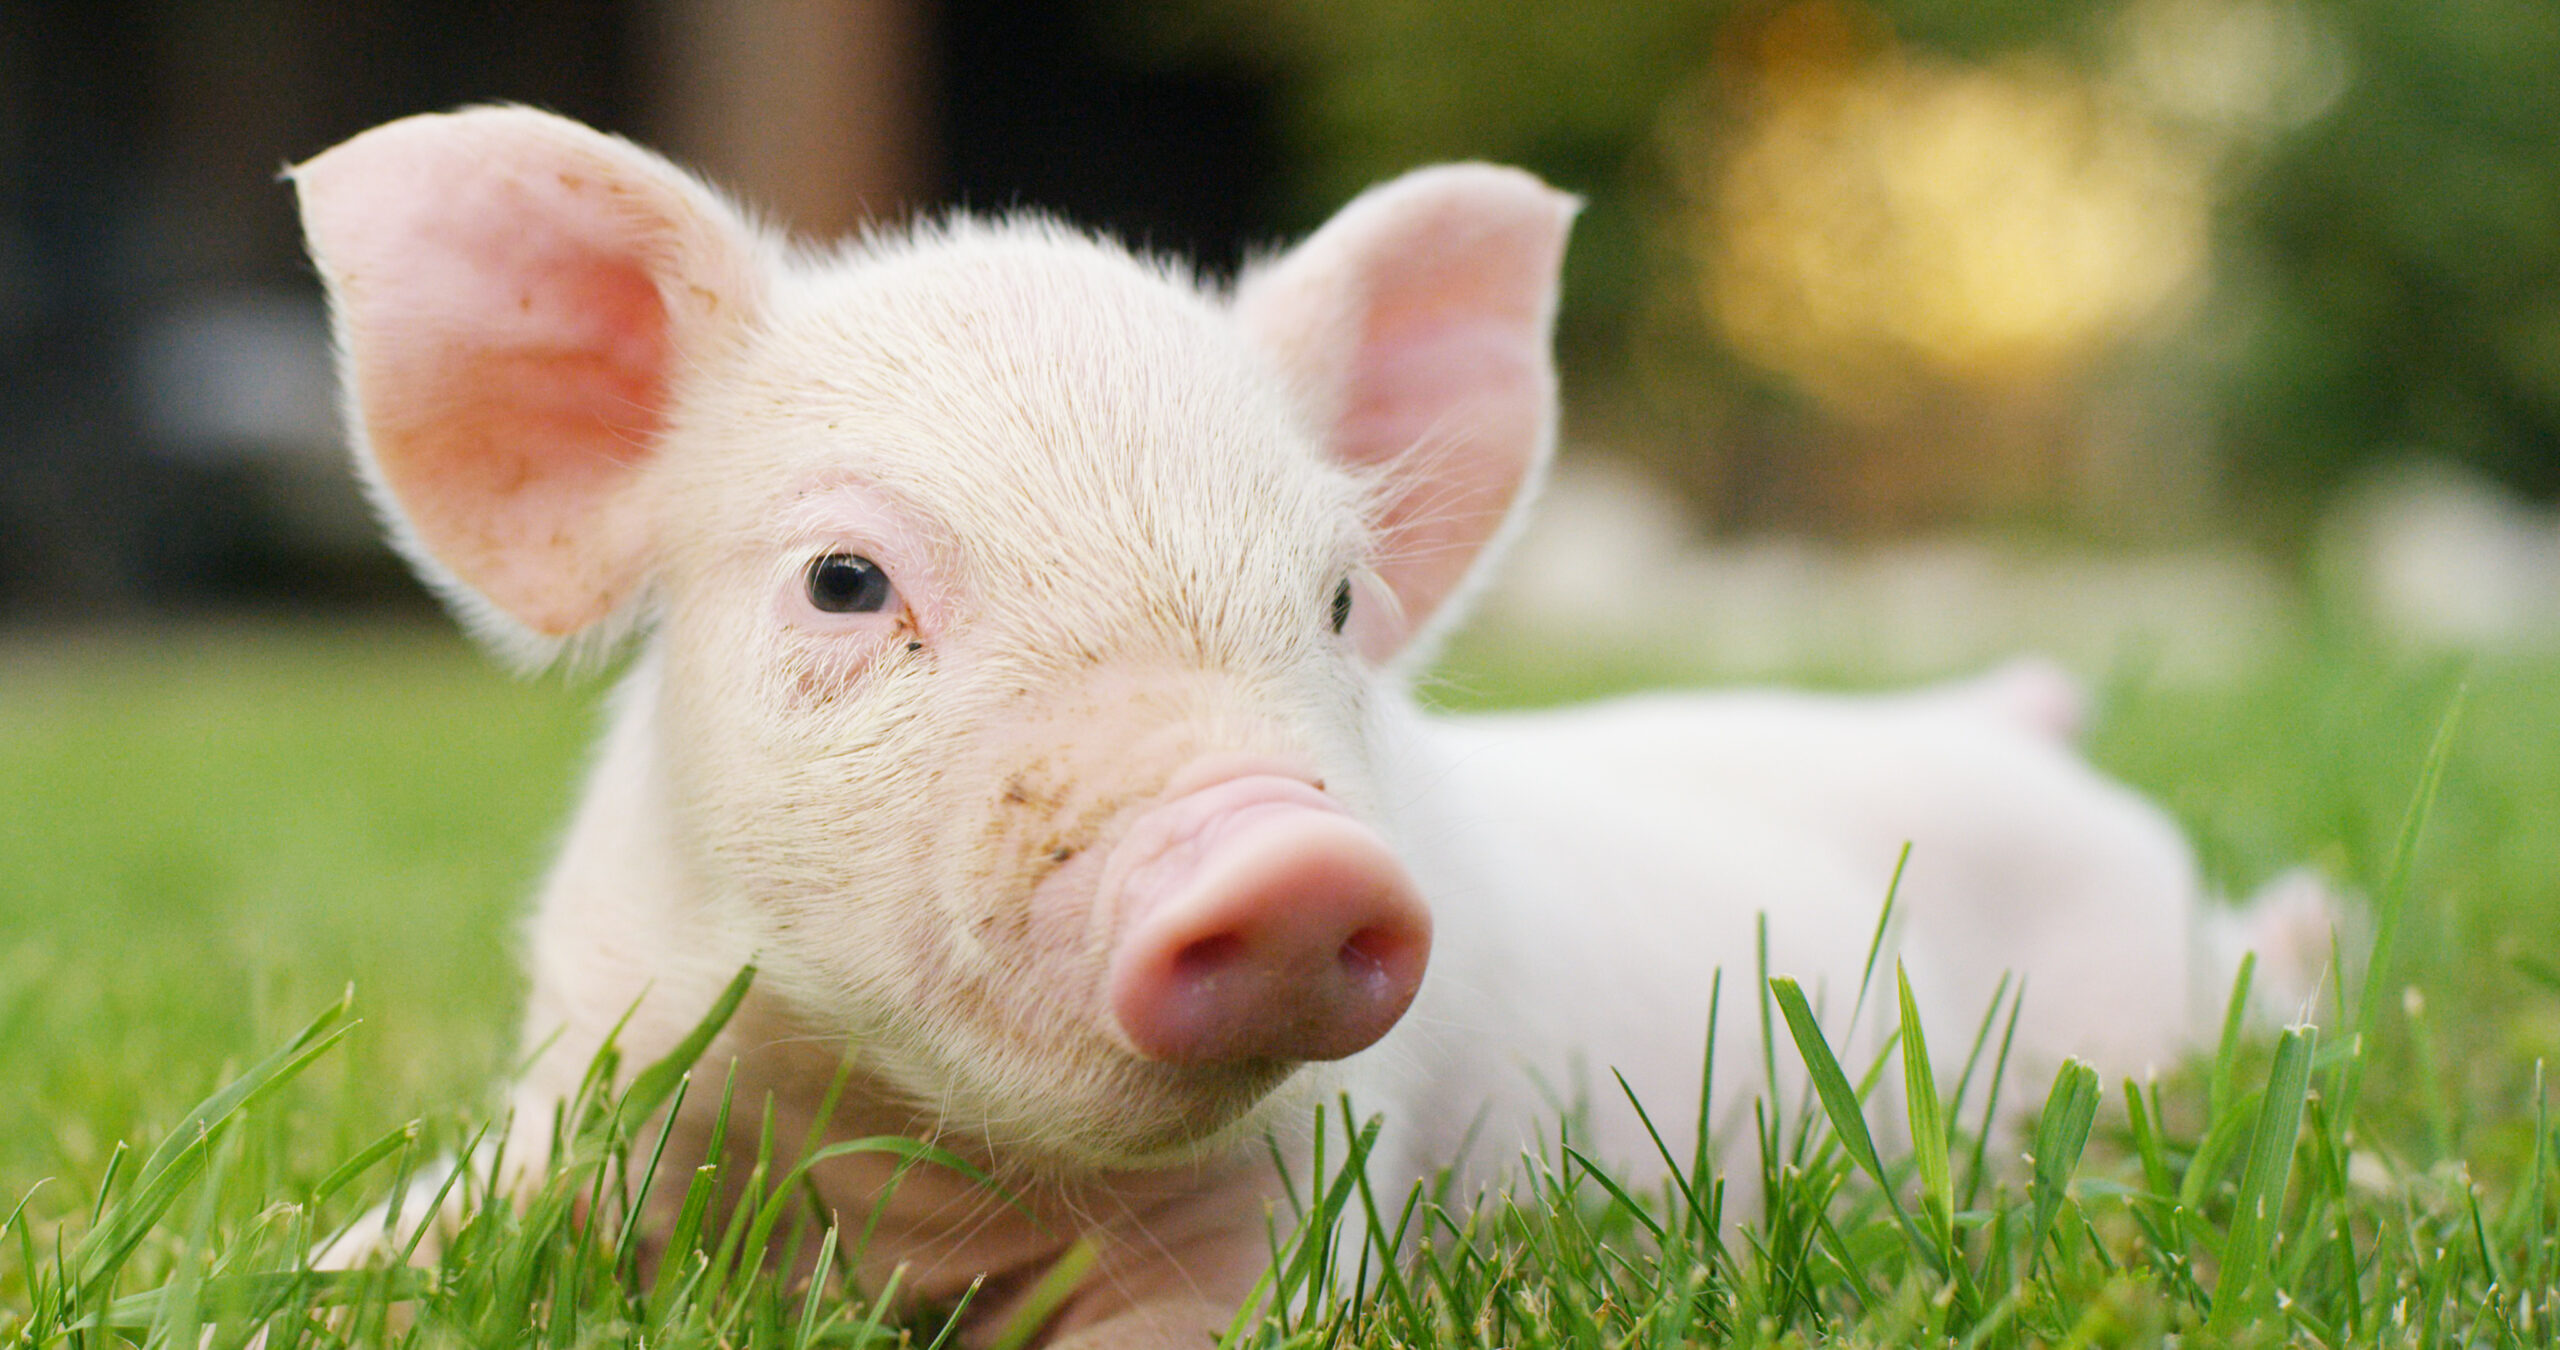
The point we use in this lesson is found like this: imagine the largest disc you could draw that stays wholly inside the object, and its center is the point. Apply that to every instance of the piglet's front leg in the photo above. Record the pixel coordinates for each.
(1176, 1276)
(1166, 1259)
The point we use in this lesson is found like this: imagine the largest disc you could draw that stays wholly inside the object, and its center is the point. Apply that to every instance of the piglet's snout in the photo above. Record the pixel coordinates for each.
(1257, 920)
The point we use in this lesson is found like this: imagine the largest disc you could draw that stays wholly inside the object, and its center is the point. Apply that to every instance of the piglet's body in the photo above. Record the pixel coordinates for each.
(1027, 633)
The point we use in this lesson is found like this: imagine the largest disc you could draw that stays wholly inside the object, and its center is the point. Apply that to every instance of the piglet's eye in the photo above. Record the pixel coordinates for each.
(848, 583)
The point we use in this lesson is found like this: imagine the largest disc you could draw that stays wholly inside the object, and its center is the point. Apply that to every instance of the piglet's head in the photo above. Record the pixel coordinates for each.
(1019, 610)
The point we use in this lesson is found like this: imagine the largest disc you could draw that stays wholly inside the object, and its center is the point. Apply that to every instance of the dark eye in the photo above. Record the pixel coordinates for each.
(848, 583)
(1342, 604)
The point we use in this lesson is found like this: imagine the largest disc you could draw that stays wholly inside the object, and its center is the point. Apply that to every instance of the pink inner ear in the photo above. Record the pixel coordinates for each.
(1445, 281)
(496, 282)
(1457, 414)
(505, 452)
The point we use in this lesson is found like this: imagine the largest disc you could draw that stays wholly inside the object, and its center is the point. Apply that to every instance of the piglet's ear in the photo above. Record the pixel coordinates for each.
(514, 295)
(1416, 324)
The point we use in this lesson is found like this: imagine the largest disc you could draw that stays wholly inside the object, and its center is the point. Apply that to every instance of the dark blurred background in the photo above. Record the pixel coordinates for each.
(2130, 270)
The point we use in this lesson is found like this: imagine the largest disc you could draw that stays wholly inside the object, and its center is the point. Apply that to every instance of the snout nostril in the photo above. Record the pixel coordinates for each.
(1204, 955)
(1366, 955)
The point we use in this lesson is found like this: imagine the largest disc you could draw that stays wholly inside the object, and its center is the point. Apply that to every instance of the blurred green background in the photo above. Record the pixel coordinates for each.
(1897, 335)
(2134, 270)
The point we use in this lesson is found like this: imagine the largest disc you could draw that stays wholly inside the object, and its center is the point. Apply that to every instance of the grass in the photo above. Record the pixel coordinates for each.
(209, 834)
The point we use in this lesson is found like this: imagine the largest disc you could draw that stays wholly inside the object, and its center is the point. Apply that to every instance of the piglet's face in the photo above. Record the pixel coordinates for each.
(1008, 656)
(1019, 607)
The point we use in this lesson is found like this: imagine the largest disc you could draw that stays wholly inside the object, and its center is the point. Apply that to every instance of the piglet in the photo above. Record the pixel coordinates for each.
(1026, 633)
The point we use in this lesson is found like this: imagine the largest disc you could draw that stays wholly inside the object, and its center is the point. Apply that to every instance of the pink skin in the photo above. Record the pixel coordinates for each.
(1256, 920)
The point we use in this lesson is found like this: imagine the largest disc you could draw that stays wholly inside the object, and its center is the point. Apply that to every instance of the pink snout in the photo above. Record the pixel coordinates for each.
(1257, 920)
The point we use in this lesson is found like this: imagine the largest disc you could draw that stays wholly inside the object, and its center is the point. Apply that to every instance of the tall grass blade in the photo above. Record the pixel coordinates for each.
(1840, 1103)
(908, 1152)
(1974, 1168)
(181, 1155)
(2148, 1145)
(1928, 1123)
(651, 1087)
(1875, 941)
(2392, 904)
(1702, 1157)
(313, 1288)
(626, 1254)
(1686, 1183)
(2220, 1085)
(2062, 1135)
(405, 1136)
(1981, 1042)
(1064, 1276)
(116, 1158)
(1766, 1122)
(181, 1312)
(2257, 1211)
(809, 1323)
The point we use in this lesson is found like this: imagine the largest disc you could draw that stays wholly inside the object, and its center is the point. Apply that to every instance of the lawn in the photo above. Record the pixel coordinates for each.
(210, 832)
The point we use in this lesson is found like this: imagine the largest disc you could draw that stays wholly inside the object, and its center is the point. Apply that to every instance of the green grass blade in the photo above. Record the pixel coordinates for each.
(1981, 1042)
(733, 1261)
(1830, 1082)
(1671, 1166)
(1875, 941)
(313, 1288)
(1766, 1121)
(1617, 1192)
(1840, 1103)
(2223, 1140)
(2062, 1135)
(875, 1319)
(2220, 1087)
(1060, 1281)
(262, 1078)
(683, 1255)
(182, 1153)
(1975, 1166)
(2257, 1210)
(1702, 1156)
(434, 1217)
(2148, 1146)
(405, 1136)
(18, 1211)
(181, 1310)
(627, 1251)
(651, 1087)
(2391, 906)
(116, 1158)
(909, 1152)
(807, 1330)
(2527, 1226)
(1928, 1123)
(1283, 1282)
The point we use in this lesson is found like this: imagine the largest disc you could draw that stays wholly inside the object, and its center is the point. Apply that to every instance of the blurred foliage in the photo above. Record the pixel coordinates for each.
(1570, 91)
(2382, 178)
(2394, 267)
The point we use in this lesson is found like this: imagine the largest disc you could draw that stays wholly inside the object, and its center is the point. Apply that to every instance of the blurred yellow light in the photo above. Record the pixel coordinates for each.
(1878, 217)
